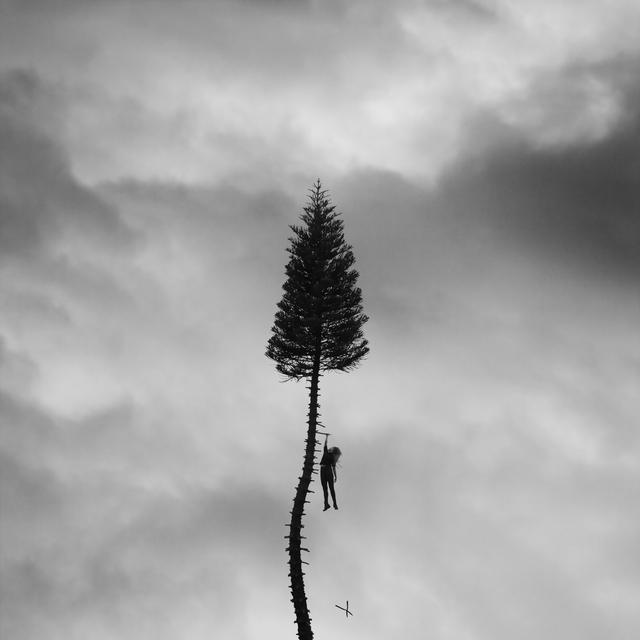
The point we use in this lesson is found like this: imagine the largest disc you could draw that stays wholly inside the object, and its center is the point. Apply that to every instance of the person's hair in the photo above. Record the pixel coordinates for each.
(335, 452)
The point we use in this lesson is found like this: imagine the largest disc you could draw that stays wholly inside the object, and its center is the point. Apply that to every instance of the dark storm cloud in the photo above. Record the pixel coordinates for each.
(40, 201)
(569, 207)
(577, 204)
(61, 243)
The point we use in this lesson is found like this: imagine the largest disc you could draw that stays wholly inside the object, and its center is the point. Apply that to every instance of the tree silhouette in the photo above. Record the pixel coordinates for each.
(317, 328)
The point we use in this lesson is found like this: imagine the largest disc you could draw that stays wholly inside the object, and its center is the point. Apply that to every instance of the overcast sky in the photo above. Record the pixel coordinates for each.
(485, 155)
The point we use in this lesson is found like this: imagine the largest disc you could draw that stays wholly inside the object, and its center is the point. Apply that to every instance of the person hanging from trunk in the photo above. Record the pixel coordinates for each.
(328, 476)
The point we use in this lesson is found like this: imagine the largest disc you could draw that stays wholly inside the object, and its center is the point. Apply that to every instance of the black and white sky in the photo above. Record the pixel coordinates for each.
(485, 155)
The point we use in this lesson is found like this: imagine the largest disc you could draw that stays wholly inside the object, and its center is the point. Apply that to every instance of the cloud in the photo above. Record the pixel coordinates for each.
(192, 97)
(576, 203)
(123, 447)
(62, 243)
(41, 200)
(475, 435)
(491, 379)
(483, 157)
(99, 525)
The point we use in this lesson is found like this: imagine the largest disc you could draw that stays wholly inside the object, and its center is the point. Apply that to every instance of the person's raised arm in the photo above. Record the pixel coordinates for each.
(326, 437)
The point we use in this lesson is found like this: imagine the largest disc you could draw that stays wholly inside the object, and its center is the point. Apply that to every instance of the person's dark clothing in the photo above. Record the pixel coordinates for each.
(327, 458)
(327, 469)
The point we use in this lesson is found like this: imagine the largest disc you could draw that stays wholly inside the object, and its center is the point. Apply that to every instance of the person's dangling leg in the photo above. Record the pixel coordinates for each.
(325, 475)
(333, 494)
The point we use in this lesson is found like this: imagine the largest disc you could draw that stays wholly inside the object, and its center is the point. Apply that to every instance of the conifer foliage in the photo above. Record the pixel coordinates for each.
(320, 315)
(317, 328)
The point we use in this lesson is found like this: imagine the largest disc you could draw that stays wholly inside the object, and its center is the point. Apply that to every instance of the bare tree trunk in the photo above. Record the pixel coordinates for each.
(299, 598)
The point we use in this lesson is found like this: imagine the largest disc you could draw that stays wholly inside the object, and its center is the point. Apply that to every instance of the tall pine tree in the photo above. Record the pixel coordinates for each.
(317, 328)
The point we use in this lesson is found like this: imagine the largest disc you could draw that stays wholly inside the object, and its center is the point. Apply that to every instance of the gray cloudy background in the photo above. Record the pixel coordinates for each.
(486, 158)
